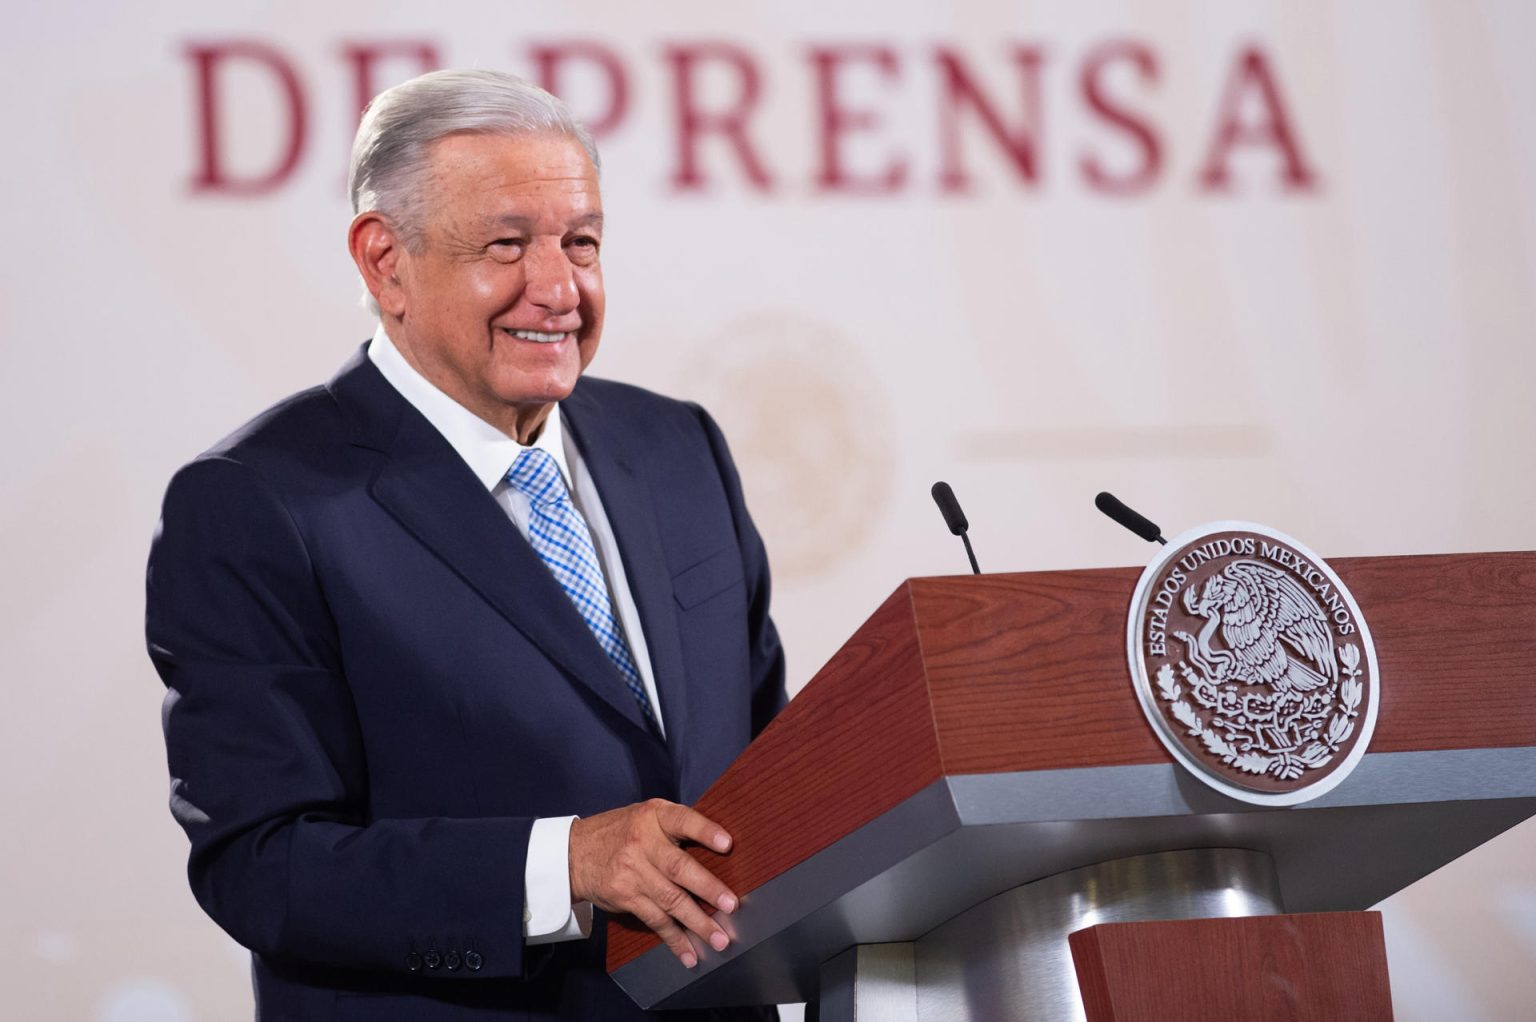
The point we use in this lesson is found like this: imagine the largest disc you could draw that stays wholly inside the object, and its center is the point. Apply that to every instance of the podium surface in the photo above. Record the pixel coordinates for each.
(980, 733)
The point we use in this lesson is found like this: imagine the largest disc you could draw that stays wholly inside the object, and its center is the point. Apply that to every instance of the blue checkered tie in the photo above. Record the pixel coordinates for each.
(559, 536)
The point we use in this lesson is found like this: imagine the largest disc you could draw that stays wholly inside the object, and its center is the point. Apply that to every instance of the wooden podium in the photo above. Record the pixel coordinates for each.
(970, 779)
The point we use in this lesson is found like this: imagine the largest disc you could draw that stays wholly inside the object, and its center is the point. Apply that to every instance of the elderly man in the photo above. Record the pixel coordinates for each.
(447, 640)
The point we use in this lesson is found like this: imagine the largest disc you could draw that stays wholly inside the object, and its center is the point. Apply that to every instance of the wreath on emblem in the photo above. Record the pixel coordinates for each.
(1275, 697)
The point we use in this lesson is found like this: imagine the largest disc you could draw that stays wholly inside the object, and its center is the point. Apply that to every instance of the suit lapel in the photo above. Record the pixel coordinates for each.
(426, 486)
(631, 511)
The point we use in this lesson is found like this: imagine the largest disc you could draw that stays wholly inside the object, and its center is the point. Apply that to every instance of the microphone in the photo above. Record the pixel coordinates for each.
(949, 507)
(1110, 505)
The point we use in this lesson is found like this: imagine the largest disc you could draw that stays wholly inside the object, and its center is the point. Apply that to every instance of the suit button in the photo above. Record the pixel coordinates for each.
(452, 960)
(432, 958)
(473, 960)
(413, 962)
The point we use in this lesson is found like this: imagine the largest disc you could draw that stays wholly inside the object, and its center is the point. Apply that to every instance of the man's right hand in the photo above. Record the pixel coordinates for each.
(629, 860)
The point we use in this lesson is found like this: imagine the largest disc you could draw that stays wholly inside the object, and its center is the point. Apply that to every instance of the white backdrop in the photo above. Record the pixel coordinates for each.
(1339, 341)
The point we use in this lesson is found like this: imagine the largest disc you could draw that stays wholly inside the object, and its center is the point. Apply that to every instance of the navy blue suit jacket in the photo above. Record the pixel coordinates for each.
(375, 686)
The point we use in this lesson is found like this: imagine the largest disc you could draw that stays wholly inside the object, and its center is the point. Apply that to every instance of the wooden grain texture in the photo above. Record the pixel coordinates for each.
(1455, 639)
(1029, 672)
(856, 742)
(1326, 965)
(994, 673)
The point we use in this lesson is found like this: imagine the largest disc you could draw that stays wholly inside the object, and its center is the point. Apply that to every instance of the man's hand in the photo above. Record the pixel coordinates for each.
(628, 860)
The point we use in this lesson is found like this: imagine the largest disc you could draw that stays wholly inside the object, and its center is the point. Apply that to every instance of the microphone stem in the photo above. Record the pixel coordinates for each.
(966, 539)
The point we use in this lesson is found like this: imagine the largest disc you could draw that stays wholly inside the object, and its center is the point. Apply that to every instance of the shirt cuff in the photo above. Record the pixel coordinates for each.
(548, 915)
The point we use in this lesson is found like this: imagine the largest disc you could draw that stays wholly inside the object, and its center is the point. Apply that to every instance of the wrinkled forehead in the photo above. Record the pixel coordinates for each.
(515, 180)
(542, 219)
(510, 159)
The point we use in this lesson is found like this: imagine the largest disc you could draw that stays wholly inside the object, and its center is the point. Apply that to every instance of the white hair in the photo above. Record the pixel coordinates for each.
(392, 152)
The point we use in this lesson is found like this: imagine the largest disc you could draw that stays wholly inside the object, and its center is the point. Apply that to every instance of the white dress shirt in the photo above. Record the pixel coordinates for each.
(548, 915)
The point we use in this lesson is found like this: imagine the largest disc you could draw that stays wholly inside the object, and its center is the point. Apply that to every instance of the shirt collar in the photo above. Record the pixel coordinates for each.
(487, 451)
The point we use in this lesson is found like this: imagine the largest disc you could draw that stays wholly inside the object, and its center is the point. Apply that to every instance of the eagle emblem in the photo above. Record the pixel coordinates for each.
(1253, 663)
(1259, 612)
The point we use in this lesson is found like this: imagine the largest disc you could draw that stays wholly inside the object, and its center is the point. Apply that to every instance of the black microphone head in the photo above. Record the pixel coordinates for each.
(1111, 506)
(950, 508)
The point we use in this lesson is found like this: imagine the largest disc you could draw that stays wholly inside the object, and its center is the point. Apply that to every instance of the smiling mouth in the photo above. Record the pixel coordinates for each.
(537, 336)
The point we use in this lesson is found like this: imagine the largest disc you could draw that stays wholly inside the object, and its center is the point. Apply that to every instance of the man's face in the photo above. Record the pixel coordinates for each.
(502, 306)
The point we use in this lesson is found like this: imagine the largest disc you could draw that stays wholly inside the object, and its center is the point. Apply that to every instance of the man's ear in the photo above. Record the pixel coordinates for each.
(378, 250)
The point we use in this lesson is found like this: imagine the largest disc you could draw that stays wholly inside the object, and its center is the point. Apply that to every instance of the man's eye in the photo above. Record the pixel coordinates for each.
(507, 243)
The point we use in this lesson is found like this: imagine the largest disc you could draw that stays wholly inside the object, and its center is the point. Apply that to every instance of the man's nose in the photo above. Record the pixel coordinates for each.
(549, 280)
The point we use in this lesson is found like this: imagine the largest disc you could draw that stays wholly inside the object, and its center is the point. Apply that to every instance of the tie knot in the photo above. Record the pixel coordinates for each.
(536, 476)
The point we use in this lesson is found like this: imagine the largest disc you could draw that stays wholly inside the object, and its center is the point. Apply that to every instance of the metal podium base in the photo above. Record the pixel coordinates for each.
(1007, 959)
